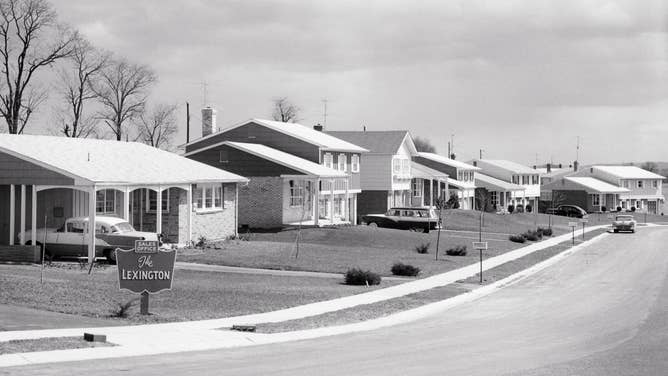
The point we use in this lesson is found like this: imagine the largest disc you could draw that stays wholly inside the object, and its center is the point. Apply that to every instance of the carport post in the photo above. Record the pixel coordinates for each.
(158, 211)
(431, 193)
(22, 241)
(33, 216)
(316, 201)
(126, 207)
(190, 213)
(12, 213)
(92, 195)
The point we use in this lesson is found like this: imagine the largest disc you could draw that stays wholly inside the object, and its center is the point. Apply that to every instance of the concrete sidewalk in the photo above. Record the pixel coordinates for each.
(204, 335)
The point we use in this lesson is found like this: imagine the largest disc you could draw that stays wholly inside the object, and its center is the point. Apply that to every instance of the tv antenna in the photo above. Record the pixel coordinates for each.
(324, 113)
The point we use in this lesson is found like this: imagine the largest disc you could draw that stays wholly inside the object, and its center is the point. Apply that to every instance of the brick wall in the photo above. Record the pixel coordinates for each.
(261, 202)
(212, 225)
(20, 253)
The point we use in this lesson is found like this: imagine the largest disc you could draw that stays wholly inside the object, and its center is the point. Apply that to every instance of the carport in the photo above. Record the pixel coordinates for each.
(57, 177)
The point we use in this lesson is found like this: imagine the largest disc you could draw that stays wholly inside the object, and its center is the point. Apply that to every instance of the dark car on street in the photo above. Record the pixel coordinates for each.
(404, 218)
(568, 211)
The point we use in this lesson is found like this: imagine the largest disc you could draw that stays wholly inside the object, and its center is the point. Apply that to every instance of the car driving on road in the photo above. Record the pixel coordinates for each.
(71, 240)
(404, 218)
(624, 223)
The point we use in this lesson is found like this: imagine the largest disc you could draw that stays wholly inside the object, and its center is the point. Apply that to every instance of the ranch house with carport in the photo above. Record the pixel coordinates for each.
(44, 180)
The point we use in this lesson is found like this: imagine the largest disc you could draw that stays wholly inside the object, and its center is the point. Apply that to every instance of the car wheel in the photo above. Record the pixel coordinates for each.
(110, 255)
(615, 231)
(633, 231)
(48, 257)
(372, 224)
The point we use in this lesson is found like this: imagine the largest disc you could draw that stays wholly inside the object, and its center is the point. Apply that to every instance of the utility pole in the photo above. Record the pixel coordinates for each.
(187, 122)
(480, 153)
(577, 149)
(324, 113)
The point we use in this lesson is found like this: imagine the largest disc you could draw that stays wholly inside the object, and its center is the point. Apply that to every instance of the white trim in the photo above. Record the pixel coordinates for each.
(12, 213)
(345, 162)
(352, 165)
(33, 217)
(148, 200)
(91, 220)
(22, 240)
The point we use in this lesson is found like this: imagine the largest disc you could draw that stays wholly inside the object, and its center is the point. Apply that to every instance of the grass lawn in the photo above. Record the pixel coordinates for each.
(47, 344)
(195, 295)
(384, 308)
(336, 249)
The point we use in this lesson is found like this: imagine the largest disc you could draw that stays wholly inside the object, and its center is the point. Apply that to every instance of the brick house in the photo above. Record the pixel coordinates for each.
(44, 180)
(589, 193)
(302, 174)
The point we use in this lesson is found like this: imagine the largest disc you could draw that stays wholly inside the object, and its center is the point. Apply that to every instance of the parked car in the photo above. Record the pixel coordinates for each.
(568, 211)
(404, 218)
(71, 239)
(624, 223)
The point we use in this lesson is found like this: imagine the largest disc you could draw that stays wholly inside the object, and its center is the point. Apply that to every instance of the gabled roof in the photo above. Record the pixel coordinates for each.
(111, 162)
(507, 165)
(378, 142)
(447, 161)
(298, 131)
(296, 163)
(596, 185)
(629, 172)
(486, 181)
(424, 172)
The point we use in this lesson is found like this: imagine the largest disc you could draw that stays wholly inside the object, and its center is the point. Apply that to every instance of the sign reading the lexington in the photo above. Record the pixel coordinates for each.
(146, 268)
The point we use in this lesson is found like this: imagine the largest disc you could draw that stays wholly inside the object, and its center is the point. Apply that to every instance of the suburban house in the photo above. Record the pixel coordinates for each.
(44, 180)
(297, 174)
(390, 178)
(589, 193)
(645, 191)
(516, 174)
(499, 193)
(461, 177)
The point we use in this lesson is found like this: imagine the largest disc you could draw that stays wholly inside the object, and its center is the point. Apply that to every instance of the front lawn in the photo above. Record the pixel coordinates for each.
(195, 295)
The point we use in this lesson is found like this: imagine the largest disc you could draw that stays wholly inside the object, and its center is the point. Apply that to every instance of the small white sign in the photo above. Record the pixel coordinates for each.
(480, 245)
(573, 224)
(584, 220)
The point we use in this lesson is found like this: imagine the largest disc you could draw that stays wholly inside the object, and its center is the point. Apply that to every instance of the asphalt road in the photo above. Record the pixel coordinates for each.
(602, 311)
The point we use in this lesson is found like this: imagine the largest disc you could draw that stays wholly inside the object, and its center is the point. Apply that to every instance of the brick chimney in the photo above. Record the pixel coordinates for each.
(575, 166)
(208, 121)
(318, 127)
(548, 167)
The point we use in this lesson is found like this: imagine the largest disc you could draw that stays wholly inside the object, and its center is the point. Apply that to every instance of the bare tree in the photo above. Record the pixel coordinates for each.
(30, 40)
(285, 111)
(650, 166)
(122, 92)
(76, 81)
(424, 145)
(158, 126)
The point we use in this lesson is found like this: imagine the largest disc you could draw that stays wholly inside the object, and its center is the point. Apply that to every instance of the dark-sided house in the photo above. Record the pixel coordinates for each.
(297, 174)
(44, 180)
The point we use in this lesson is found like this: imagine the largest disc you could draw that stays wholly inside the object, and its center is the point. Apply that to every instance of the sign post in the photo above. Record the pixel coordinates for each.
(480, 246)
(573, 225)
(584, 222)
(145, 270)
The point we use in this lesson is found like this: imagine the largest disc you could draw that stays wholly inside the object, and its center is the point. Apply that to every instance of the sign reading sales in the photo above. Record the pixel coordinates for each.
(146, 268)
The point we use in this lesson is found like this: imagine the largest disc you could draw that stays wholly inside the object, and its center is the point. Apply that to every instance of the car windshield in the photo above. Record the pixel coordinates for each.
(624, 217)
(122, 227)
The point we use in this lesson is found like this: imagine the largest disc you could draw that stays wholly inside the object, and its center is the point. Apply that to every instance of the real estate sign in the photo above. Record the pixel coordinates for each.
(146, 268)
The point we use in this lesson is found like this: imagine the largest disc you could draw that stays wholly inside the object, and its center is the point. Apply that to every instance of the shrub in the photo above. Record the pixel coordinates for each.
(519, 208)
(528, 208)
(532, 235)
(545, 231)
(122, 310)
(511, 208)
(405, 269)
(633, 208)
(604, 209)
(422, 248)
(619, 208)
(201, 242)
(361, 277)
(517, 238)
(459, 250)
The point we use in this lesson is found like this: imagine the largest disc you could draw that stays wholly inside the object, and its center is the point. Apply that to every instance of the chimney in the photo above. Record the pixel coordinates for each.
(548, 167)
(561, 166)
(575, 166)
(475, 163)
(453, 156)
(208, 121)
(318, 127)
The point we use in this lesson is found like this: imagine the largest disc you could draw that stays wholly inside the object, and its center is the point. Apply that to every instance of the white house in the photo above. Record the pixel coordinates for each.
(644, 187)
(461, 176)
(516, 174)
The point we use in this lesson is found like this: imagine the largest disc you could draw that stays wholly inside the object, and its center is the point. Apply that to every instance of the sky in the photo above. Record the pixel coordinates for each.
(521, 80)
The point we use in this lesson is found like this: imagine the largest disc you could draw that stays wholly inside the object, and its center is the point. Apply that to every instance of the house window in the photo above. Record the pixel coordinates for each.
(534, 179)
(224, 156)
(516, 179)
(405, 167)
(655, 183)
(328, 160)
(460, 175)
(105, 202)
(595, 199)
(296, 193)
(396, 166)
(418, 187)
(494, 198)
(626, 184)
(342, 162)
(207, 197)
(639, 184)
(152, 198)
(355, 163)
(525, 179)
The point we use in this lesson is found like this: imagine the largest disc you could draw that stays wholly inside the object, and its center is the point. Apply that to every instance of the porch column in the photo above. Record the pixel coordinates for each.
(355, 209)
(12, 213)
(22, 241)
(158, 211)
(346, 207)
(190, 213)
(33, 215)
(431, 192)
(601, 201)
(331, 202)
(316, 201)
(126, 204)
(91, 224)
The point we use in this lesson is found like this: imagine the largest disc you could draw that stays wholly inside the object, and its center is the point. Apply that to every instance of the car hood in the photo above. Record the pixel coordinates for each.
(141, 234)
